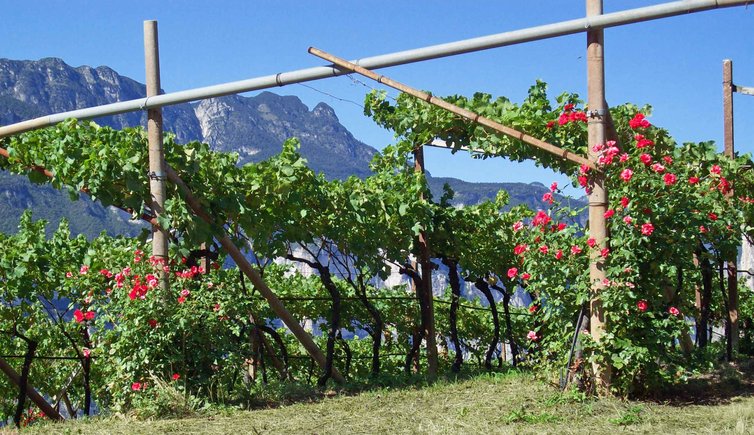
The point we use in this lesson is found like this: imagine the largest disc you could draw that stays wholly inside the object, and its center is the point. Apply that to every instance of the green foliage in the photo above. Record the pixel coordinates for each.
(201, 329)
(666, 202)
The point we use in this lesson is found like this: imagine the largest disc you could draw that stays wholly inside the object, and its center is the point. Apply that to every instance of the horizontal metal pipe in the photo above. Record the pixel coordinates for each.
(382, 61)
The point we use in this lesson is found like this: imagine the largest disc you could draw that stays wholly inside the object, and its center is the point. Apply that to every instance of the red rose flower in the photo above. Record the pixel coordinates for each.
(78, 316)
(647, 229)
(638, 121)
(669, 179)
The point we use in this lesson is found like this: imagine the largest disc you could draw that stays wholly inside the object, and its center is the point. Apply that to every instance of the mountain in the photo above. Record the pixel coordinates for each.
(35, 88)
(254, 127)
(85, 216)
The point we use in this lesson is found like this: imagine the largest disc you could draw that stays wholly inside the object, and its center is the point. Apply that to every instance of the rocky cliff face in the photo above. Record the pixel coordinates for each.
(35, 88)
(255, 127)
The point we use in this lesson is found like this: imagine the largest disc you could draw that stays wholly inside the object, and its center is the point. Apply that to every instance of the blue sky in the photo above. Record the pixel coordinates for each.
(673, 64)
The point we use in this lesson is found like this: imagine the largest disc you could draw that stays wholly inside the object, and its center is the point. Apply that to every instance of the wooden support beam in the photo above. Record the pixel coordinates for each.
(277, 306)
(728, 138)
(471, 116)
(426, 274)
(598, 201)
(31, 393)
(160, 235)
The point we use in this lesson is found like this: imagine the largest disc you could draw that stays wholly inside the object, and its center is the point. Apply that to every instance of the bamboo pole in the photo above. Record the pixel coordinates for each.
(156, 153)
(31, 393)
(597, 195)
(471, 116)
(728, 138)
(277, 306)
(426, 273)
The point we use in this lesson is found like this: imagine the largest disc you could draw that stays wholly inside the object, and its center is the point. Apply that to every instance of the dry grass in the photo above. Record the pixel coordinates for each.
(509, 403)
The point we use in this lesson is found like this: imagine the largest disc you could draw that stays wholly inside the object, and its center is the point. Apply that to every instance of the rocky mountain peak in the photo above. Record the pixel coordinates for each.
(324, 111)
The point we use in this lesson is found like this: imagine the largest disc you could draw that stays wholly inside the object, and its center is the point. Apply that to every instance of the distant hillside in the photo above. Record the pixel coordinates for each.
(17, 194)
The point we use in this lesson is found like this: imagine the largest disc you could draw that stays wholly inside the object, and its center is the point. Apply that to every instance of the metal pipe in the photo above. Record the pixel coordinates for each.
(386, 60)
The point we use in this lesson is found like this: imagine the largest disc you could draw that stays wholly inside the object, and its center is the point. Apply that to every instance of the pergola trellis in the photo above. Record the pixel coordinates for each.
(594, 25)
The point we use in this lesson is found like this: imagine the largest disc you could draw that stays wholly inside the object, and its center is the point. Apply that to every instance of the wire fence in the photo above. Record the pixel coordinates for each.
(379, 298)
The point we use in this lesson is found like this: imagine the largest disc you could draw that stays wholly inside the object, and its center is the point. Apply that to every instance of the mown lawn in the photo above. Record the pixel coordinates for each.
(501, 403)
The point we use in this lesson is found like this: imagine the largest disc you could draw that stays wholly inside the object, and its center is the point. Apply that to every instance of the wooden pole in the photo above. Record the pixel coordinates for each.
(156, 152)
(31, 393)
(277, 306)
(732, 330)
(473, 117)
(598, 195)
(426, 273)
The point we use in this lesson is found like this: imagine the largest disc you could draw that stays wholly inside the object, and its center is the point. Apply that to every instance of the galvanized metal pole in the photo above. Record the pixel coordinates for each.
(597, 195)
(386, 60)
(732, 330)
(426, 273)
(156, 153)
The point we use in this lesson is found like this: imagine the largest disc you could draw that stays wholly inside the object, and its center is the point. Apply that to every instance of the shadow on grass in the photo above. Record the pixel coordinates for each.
(274, 395)
(719, 387)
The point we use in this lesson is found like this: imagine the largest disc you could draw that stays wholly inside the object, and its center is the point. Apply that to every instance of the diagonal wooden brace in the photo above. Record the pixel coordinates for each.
(31, 393)
(471, 116)
(277, 306)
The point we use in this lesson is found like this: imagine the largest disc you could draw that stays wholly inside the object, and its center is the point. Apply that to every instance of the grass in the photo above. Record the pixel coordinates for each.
(512, 402)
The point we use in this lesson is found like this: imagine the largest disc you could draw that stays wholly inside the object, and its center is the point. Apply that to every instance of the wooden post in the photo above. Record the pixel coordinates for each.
(426, 272)
(156, 152)
(597, 196)
(31, 393)
(732, 329)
